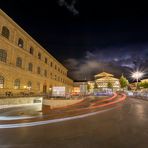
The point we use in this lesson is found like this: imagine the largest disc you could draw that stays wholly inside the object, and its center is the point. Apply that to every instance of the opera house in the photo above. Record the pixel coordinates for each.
(102, 82)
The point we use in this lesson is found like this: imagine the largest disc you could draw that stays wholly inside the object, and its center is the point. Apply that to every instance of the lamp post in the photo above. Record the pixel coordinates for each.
(137, 75)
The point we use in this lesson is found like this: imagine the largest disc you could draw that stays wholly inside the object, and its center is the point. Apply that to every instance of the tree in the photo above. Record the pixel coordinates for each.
(110, 85)
(143, 84)
(123, 82)
(88, 87)
(95, 86)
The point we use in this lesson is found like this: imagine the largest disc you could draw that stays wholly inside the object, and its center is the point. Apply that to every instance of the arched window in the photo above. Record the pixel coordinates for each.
(29, 85)
(46, 60)
(51, 64)
(1, 82)
(45, 73)
(39, 55)
(20, 43)
(19, 62)
(17, 84)
(38, 70)
(3, 55)
(31, 50)
(5, 32)
(30, 66)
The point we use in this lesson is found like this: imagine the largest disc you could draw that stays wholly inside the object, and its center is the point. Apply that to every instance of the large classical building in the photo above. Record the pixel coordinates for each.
(102, 82)
(25, 64)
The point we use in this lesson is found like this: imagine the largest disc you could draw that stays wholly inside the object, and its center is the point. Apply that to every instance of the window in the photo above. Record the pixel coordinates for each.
(51, 64)
(5, 32)
(29, 85)
(30, 66)
(55, 67)
(1, 82)
(3, 55)
(45, 73)
(38, 70)
(46, 60)
(39, 55)
(17, 84)
(31, 50)
(20, 43)
(19, 62)
(51, 75)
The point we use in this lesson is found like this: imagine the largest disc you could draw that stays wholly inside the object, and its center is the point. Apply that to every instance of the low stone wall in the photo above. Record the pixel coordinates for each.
(59, 103)
(20, 100)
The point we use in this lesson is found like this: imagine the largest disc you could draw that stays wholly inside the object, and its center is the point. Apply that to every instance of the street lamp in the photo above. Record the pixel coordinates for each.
(137, 75)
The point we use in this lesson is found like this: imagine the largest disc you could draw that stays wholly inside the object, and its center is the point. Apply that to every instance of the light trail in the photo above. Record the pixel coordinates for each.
(110, 103)
(18, 125)
(108, 99)
(7, 118)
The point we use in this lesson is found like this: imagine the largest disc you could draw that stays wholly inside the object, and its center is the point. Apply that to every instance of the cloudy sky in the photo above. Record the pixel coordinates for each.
(86, 36)
(117, 60)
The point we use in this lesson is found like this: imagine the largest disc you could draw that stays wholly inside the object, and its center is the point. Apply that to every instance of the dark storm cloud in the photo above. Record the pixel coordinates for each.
(70, 6)
(113, 60)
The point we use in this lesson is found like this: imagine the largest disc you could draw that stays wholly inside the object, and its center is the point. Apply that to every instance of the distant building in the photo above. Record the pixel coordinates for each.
(102, 81)
(80, 87)
(24, 64)
(144, 80)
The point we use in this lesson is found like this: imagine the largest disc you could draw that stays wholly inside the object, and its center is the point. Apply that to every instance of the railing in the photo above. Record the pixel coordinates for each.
(9, 94)
(139, 95)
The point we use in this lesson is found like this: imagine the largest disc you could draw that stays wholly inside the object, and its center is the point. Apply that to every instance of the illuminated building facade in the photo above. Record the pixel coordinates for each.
(80, 87)
(102, 81)
(144, 80)
(24, 64)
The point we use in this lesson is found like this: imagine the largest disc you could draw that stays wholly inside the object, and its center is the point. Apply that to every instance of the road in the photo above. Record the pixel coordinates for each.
(125, 126)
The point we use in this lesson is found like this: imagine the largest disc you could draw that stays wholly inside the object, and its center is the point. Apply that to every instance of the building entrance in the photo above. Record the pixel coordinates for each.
(44, 88)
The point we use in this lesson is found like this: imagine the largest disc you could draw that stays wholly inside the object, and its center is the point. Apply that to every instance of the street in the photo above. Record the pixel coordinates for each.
(125, 126)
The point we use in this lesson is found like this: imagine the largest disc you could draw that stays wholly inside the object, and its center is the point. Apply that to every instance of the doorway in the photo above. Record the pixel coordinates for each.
(44, 88)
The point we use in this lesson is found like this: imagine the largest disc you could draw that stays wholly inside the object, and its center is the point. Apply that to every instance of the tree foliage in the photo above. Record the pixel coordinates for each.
(88, 87)
(143, 84)
(95, 86)
(109, 85)
(123, 82)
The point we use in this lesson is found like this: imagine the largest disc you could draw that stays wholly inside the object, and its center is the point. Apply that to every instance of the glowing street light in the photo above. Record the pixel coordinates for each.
(137, 75)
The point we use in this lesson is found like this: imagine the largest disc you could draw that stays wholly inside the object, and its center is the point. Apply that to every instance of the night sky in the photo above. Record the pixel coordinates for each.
(87, 36)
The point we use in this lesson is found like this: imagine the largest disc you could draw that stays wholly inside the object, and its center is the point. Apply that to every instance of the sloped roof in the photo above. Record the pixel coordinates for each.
(107, 79)
(104, 74)
(144, 80)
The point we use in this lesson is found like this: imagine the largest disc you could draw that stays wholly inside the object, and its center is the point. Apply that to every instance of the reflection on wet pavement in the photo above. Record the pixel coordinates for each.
(124, 127)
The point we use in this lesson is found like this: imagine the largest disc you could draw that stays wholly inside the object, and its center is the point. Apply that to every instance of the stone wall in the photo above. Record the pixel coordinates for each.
(59, 103)
(19, 101)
